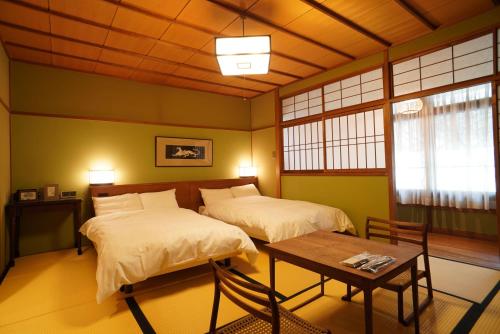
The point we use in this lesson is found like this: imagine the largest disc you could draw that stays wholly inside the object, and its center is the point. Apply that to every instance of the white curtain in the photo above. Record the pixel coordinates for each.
(444, 153)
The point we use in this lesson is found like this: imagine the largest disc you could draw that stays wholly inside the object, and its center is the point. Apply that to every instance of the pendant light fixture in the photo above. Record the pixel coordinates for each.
(243, 55)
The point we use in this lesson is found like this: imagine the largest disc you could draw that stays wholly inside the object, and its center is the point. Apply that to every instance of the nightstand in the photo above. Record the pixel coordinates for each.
(15, 211)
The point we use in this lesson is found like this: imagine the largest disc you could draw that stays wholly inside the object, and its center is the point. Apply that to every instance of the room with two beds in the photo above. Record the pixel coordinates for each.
(159, 175)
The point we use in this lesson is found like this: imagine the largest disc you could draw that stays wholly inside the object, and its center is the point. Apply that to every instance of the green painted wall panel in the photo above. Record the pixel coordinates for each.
(262, 110)
(475, 222)
(41, 89)
(263, 155)
(57, 150)
(357, 196)
(4, 181)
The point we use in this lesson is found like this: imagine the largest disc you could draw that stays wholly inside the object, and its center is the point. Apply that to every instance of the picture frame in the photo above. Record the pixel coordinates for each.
(51, 192)
(23, 195)
(183, 152)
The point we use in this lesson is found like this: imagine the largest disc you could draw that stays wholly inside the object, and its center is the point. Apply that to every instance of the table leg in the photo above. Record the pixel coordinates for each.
(368, 310)
(77, 221)
(272, 278)
(322, 278)
(414, 290)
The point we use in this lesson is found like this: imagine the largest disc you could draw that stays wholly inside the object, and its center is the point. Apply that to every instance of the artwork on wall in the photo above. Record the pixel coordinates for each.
(183, 152)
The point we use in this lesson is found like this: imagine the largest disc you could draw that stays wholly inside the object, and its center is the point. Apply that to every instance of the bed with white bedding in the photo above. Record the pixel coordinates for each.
(135, 242)
(271, 219)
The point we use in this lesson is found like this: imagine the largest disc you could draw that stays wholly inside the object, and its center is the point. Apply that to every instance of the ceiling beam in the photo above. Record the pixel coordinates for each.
(419, 16)
(153, 14)
(132, 53)
(130, 33)
(345, 21)
(131, 68)
(265, 21)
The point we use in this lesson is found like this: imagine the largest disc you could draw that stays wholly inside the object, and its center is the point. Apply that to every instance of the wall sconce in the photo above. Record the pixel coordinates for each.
(101, 177)
(248, 171)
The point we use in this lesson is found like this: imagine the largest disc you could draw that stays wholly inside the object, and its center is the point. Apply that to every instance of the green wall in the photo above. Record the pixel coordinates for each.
(62, 149)
(46, 90)
(357, 196)
(49, 150)
(264, 142)
(4, 152)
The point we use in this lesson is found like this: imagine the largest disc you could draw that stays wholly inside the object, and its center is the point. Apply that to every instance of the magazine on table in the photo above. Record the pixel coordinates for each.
(369, 262)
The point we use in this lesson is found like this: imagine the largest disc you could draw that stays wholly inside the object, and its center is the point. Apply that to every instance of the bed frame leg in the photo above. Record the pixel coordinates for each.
(127, 288)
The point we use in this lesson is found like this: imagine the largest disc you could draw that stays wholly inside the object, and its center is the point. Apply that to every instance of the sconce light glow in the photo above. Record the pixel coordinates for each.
(101, 176)
(248, 171)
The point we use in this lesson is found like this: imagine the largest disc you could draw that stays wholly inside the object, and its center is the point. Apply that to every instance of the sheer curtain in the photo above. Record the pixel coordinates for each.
(444, 153)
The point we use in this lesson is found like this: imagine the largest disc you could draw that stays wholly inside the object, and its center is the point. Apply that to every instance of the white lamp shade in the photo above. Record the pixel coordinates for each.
(248, 171)
(101, 176)
(243, 55)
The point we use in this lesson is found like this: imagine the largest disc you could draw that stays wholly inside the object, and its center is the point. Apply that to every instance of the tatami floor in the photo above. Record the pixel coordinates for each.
(55, 293)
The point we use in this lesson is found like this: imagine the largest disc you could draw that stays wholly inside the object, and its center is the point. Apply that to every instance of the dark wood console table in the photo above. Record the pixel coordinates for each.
(15, 211)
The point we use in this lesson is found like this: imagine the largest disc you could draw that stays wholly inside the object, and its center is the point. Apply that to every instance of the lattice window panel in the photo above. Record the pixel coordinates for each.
(302, 105)
(303, 147)
(355, 90)
(461, 62)
(355, 141)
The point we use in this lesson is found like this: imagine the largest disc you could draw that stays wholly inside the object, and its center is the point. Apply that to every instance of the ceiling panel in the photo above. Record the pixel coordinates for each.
(75, 49)
(187, 36)
(27, 38)
(152, 65)
(114, 71)
(143, 46)
(28, 55)
(77, 30)
(170, 52)
(171, 10)
(129, 43)
(14, 13)
(137, 22)
(148, 77)
(206, 14)
(120, 58)
(93, 10)
(72, 63)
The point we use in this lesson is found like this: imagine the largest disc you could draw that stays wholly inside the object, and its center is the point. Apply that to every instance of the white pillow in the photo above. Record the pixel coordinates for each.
(246, 190)
(114, 204)
(159, 200)
(211, 196)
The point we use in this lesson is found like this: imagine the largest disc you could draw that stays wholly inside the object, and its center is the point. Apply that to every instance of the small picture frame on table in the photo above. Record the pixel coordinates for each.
(51, 192)
(23, 195)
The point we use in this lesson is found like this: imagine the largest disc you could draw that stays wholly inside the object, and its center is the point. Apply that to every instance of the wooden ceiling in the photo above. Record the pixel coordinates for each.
(172, 42)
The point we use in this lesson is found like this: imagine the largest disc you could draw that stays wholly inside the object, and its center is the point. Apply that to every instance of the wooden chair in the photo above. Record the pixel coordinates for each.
(273, 318)
(395, 231)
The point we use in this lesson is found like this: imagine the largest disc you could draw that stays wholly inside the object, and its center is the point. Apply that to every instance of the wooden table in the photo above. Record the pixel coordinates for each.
(322, 252)
(15, 211)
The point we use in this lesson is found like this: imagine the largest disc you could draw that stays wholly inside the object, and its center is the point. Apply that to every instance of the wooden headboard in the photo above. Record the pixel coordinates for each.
(187, 192)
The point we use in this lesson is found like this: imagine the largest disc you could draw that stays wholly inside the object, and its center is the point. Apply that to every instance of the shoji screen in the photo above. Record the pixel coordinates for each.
(358, 89)
(303, 147)
(355, 141)
(302, 105)
(468, 60)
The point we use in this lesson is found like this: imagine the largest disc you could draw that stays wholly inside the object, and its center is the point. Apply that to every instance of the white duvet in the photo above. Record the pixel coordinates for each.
(279, 219)
(133, 246)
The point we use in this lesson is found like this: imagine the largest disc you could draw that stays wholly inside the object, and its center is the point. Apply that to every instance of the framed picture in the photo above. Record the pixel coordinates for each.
(27, 195)
(183, 152)
(51, 192)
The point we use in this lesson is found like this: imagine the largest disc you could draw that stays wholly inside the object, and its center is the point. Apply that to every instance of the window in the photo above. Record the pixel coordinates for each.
(303, 147)
(461, 62)
(444, 152)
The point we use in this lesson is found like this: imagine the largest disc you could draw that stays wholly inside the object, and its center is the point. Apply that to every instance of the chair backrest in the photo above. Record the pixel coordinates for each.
(241, 292)
(393, 230)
